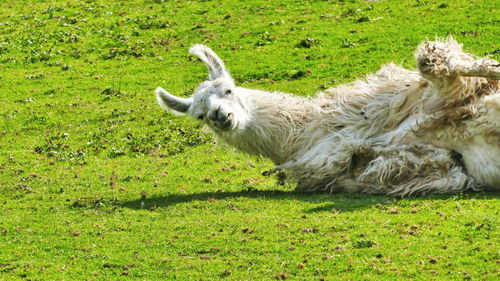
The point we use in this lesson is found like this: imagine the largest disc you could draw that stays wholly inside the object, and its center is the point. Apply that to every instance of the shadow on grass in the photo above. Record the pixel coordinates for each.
(340, 201)
(346, 202)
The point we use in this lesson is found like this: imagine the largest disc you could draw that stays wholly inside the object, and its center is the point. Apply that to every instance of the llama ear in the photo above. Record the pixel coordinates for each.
(216, 68)
(168, 101)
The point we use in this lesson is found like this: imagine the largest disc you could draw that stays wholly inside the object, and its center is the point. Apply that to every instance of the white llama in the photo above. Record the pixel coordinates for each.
(396, 132)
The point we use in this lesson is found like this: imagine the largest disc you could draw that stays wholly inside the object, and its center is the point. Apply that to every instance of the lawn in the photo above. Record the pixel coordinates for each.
(98, 183)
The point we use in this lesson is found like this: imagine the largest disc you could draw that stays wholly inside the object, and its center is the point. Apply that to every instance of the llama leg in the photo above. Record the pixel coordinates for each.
(454, 181)
(442, 59)
(400, 170)
(411, 170)
(456, 78)
(318, 168)
(484, 67)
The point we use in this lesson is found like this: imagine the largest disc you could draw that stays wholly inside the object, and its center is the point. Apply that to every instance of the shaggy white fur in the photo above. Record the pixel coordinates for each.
(400, 132)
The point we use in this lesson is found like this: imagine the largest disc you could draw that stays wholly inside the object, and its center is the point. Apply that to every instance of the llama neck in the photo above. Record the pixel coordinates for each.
(279, 127)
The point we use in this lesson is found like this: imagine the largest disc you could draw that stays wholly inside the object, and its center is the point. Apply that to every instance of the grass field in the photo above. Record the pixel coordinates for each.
(98, 183)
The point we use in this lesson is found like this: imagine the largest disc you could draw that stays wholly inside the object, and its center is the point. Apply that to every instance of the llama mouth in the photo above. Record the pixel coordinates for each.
(224, 124)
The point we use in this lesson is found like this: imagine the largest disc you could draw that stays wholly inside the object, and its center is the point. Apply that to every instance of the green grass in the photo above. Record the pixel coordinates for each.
(97, 183)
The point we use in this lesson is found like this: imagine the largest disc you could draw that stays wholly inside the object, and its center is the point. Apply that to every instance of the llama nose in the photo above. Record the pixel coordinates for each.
(212, 115)
(215, 115)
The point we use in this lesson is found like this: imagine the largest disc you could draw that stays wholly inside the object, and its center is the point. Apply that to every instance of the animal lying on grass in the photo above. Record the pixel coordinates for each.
(399, 132)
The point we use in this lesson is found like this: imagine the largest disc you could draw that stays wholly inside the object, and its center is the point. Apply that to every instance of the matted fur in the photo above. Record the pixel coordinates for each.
(399, 132)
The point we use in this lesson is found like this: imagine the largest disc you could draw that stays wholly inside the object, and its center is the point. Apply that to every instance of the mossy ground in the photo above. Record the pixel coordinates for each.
(98, 183)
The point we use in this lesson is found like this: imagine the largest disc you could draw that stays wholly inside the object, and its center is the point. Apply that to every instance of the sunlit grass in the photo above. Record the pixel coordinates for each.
(98, 183)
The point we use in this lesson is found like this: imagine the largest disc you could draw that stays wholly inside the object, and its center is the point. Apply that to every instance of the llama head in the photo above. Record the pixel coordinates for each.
(217, 101)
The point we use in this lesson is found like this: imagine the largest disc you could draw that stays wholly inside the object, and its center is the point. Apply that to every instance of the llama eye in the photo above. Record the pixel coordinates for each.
(228, 92)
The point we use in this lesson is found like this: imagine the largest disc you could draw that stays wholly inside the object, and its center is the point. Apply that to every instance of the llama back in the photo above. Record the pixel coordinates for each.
(377, 104)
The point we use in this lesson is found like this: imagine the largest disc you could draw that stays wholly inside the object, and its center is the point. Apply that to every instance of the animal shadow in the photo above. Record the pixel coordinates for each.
(345, 202)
